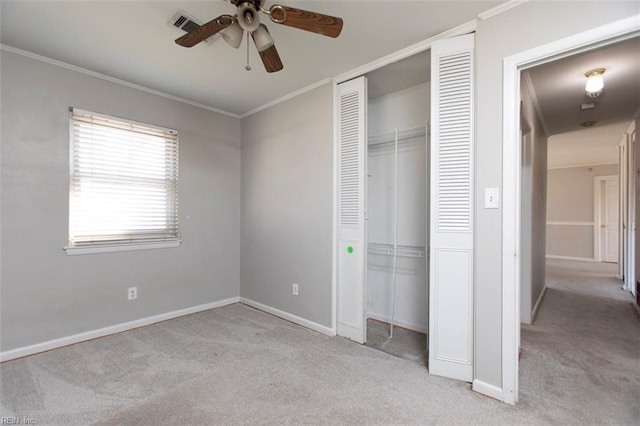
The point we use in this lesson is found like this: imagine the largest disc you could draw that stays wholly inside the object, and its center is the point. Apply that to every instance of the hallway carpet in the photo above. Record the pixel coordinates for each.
(582, 354)
(236, 365)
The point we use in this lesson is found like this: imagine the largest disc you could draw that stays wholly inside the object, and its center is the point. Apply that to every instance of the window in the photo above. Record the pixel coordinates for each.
(124, 184)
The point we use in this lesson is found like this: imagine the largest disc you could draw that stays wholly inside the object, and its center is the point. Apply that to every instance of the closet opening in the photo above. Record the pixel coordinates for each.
(397, 183)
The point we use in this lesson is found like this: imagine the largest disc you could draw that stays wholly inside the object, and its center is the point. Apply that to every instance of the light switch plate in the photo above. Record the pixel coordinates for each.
(491, 198)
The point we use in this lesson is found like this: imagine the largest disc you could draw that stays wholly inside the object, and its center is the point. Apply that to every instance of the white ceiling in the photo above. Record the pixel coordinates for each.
(586, 147)
(559, 88)
(132, 41)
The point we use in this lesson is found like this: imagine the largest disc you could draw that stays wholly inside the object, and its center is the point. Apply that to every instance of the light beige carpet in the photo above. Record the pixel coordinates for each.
(236, 365)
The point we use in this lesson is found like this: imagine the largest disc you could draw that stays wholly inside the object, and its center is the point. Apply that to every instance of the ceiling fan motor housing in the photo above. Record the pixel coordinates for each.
(248, 17)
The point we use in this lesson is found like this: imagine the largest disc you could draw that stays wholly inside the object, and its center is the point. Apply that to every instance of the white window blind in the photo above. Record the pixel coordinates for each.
(124, 182)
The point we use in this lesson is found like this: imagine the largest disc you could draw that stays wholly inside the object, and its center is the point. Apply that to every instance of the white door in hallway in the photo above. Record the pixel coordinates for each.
(609, 219)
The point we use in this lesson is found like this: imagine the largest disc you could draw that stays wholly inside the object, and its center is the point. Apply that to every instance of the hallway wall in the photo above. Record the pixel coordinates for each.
(534, 206)
(570, 213)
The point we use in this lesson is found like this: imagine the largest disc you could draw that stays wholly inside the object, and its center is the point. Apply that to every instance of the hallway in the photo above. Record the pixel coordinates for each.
(581, 356)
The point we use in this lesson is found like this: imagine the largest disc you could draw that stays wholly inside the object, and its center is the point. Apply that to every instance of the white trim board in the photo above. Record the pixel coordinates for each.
(287, 97)
(568, 223)
(536, 307)
(334, 217)
(536, 104)
(500, 9)
(580, 165)
(512, 66)
(107, 331)
(487, 389)
(580, 259)
(405, 53)
(113, 79)
(327, 331)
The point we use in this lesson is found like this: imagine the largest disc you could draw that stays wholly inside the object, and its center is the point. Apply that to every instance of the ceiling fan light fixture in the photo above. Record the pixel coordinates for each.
(595, 82)
(233, 35)
(248, 17)
(262, 38)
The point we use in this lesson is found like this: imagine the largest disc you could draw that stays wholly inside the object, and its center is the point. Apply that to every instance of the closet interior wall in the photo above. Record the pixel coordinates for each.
(407, 111)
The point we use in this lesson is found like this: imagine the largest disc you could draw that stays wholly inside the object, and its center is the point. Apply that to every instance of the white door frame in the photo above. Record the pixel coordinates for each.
(630, 188)
(512, 66)
(632, 137)
(597, 214)
(622, 164)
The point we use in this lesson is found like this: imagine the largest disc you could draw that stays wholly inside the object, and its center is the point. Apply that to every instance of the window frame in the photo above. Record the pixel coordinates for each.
(123, 244)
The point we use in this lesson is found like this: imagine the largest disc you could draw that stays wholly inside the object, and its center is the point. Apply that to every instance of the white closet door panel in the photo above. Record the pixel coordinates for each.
(453, 305)
(451, 226)
(352, 109)
(351, 288)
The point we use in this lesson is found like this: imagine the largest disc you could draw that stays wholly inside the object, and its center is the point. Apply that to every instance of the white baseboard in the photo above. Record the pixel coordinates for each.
(534, 313)
(328, 331)
(582, 259)
(400, 323)
(487, 389)
(106, 331)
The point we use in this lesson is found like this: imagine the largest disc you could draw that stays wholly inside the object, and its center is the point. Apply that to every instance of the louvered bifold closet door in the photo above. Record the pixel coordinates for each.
(451, 227)
(351, 250)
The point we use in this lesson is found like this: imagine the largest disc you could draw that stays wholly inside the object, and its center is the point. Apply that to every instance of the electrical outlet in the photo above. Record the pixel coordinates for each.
(132, 293)
(295, 289)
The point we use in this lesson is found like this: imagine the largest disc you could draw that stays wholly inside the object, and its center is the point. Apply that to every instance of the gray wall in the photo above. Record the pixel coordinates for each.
(534, 207)
(527, 26)
(287, 205)
(287, 197)
(570, 199)
(46, 294)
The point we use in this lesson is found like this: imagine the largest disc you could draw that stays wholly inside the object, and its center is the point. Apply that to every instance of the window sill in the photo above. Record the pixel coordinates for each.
(74, 251)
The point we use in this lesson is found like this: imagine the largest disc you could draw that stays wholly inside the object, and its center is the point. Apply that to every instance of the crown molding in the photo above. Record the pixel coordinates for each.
(534, 99)
(286, 97)
(414, 49)
(500, 9)
(105, 77)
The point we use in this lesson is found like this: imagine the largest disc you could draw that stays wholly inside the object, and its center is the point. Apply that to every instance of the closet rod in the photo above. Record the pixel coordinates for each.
(403, 135)
(395, 234)
(403, 251)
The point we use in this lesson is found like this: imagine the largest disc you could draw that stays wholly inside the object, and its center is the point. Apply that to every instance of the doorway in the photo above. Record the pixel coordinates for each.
(511, 235)
(606, 228)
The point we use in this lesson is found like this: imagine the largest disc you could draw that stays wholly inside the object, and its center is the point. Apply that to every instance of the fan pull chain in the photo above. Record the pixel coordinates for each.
(248, 67)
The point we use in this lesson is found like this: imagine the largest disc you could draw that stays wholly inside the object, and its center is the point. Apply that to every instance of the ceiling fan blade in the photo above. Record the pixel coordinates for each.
(205, 31)
(271, 59)
(326, 25)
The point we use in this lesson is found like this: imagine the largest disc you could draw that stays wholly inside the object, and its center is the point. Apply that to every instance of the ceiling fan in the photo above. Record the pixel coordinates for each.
(247, 18)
